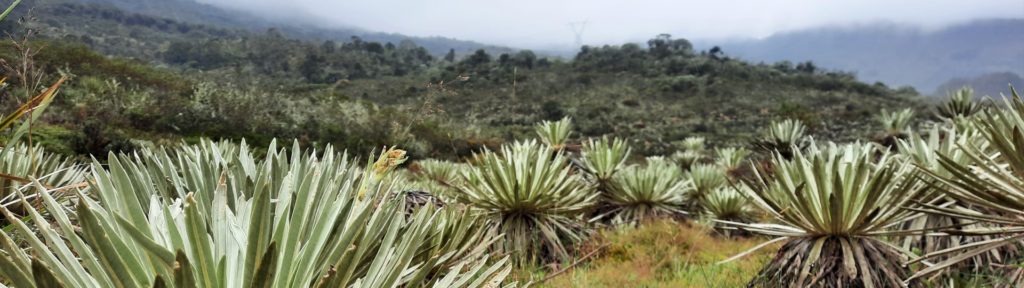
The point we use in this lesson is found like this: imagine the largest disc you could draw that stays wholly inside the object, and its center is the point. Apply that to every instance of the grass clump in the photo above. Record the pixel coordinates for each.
(664, 253)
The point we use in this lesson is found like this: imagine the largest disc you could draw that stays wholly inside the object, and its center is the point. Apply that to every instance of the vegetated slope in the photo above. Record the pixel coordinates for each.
(900, 55)
(654, 95)
(113, 31)
(192, 12)
(357, 94)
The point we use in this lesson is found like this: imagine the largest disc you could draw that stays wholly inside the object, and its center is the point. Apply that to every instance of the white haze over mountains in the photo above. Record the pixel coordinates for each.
(544, 24)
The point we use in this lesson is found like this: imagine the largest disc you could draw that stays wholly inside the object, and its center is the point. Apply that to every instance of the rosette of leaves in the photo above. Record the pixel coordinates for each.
(533, 197)
(212, 216)
(691, 152)
(833, 209)
(555, 133)
(785, 137)
(985, 177)
(644, 192)
(604, 158)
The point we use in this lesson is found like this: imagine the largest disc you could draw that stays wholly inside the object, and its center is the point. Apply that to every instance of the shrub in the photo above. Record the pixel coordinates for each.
(728, 203)
(987, 178)
(896, 124)
(691, 152)
(833, 206)
(640, 193)
(528, 191)
(212, 216)
(555, 134)
(783, 137)
(444, 172)
(731, 159)
(705, 178)
(960, 105)
(929, 152)
(603, 158)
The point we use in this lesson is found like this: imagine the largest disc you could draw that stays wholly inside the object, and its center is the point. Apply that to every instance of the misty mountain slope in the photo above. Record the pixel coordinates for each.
(187, 11)
(115, 32)
(192, 12)
(232, 83)
(992, 84)
(899, 55)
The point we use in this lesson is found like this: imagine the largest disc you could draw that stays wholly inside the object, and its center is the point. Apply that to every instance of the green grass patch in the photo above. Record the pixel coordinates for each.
(664, 254)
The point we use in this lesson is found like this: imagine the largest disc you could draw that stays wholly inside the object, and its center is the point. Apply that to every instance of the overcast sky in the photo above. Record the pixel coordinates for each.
(545, 23)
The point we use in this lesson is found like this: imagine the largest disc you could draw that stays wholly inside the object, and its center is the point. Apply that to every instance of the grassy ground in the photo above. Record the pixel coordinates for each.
(664, 254)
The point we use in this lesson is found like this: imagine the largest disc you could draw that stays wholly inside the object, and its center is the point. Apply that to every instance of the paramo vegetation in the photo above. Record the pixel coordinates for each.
(108, 177)
(214, 214)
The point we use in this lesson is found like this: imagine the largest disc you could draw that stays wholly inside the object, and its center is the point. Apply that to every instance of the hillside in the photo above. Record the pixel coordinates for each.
(900, 55)
(194, 13)
(224, 82)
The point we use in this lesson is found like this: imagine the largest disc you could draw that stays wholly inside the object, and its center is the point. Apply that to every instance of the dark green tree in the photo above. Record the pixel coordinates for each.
(807, 67)
(312, 67)
(716, 53)
(663, 46)
(479, 58)
(525, 59)
(450, 57)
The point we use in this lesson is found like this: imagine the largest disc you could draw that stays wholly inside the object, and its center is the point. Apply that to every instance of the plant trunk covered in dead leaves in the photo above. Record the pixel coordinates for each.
(841, 262)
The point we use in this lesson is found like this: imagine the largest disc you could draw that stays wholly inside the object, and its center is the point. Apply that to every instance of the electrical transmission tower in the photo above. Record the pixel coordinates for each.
(577, 28)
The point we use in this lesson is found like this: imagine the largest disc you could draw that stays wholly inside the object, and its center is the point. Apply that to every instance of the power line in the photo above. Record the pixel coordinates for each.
(577, 29)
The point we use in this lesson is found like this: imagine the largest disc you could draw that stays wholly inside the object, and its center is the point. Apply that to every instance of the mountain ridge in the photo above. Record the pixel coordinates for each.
(898, 54)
